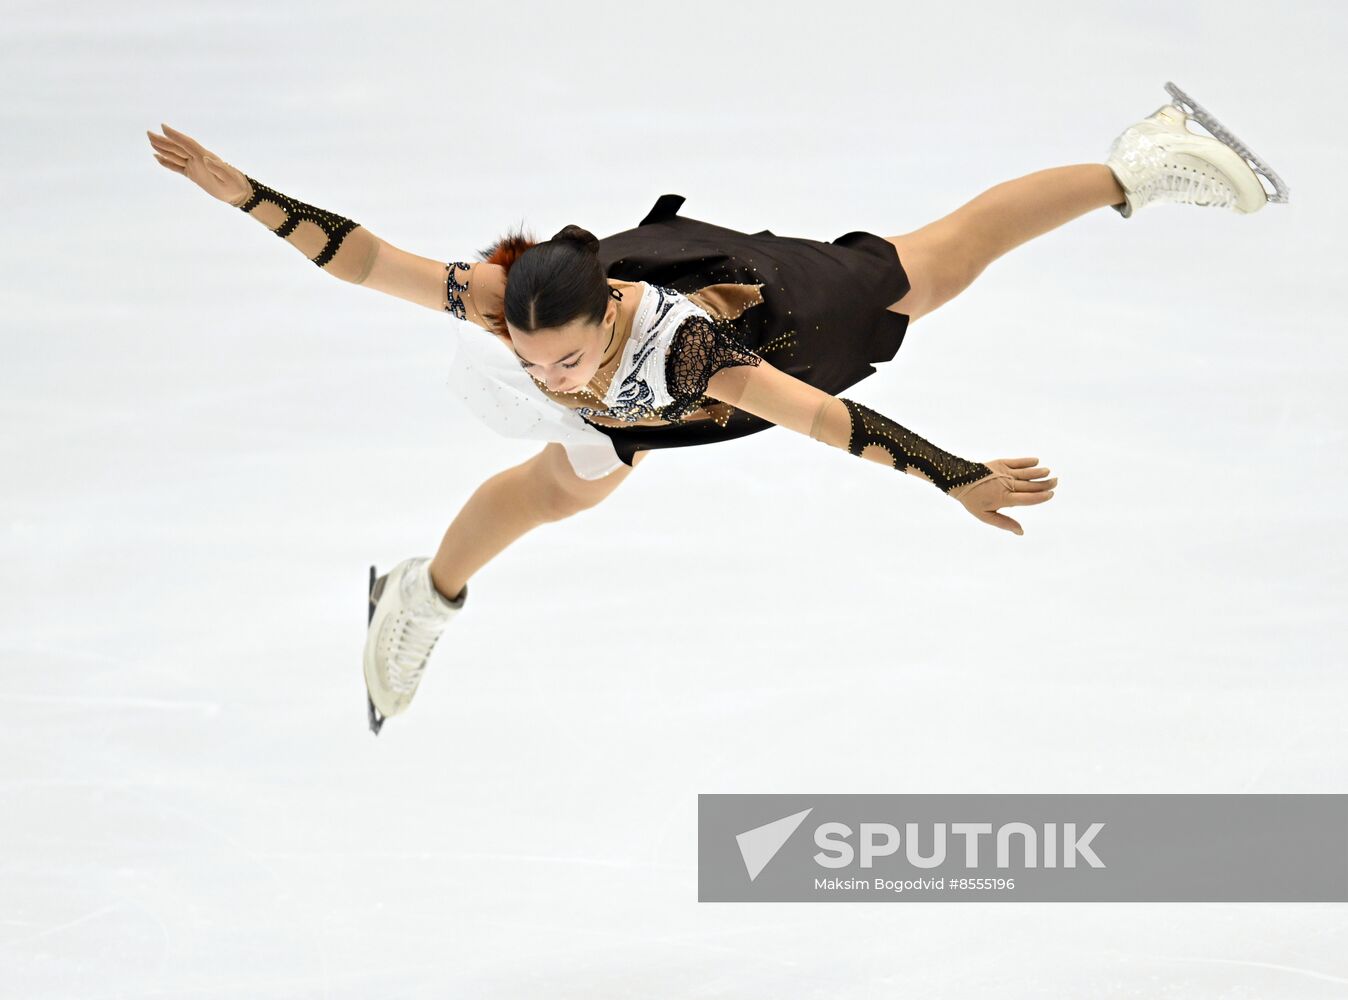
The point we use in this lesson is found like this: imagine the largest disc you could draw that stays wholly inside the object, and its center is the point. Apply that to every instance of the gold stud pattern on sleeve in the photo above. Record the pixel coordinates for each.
(874, 434)
(334, 226)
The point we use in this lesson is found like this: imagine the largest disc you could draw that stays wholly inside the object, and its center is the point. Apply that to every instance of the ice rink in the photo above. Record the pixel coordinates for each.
(208, 441)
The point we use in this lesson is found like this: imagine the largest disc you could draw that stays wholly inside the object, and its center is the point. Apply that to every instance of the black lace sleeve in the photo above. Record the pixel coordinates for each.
(701, 347)
(905, 450)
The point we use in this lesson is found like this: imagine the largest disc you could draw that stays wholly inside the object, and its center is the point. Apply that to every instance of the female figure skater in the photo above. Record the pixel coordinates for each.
(679, 333)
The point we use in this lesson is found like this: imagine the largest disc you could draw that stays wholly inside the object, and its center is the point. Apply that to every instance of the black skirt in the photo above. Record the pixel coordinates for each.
(823, 319)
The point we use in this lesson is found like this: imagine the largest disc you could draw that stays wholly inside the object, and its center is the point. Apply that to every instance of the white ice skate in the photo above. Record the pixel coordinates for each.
(1159, 159)
(407, 616)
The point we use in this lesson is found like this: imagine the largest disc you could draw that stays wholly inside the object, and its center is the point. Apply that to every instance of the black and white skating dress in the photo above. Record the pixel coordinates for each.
(710, 297)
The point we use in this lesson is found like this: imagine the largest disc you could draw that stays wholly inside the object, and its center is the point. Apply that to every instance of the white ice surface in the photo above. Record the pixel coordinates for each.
(208, 441)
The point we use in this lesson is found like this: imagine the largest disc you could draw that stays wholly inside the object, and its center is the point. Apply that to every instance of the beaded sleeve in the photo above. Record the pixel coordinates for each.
(455, 289)
(906, 450)
(475, 295)
(701, 347)
(347, 250)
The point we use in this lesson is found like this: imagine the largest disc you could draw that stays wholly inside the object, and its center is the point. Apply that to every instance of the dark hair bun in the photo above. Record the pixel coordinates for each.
(582, 237)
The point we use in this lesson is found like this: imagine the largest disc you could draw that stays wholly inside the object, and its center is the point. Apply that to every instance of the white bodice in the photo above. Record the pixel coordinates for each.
(638, 388)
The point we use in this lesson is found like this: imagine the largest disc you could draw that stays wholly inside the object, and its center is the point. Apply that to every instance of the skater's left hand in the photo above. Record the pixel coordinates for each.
(1014, 482)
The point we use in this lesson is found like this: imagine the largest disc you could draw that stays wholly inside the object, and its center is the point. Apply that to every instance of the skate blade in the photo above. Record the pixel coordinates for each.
(376, 588)
(376, 720)
(1220, 132)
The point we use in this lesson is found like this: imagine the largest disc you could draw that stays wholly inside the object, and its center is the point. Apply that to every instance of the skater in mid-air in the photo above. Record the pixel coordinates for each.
(679, 333)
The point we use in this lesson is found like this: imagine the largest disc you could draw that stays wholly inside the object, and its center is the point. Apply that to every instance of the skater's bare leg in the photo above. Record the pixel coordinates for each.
(943, 258)
(511, 503)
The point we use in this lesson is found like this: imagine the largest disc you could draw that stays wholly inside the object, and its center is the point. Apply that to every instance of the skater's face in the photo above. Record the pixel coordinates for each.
(565, 358)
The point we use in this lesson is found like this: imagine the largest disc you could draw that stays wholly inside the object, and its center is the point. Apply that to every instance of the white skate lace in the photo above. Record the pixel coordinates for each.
(412, 639)
(413, 632)
(1187, 188)
(1168, 181)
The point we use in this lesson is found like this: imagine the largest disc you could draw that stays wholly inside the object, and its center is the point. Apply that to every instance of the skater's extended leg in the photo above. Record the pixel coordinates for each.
(512, 503)
(943, 258)
(412, 603)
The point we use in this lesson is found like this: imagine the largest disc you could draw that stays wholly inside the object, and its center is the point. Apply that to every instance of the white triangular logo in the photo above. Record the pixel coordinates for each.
(761, 844)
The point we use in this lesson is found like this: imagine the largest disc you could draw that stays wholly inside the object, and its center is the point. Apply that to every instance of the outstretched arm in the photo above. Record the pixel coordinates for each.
(772, 394)
(339, 246)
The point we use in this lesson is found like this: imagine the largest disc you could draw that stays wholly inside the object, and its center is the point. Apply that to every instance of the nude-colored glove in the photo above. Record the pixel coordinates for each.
(182, 154)
(1012, 482)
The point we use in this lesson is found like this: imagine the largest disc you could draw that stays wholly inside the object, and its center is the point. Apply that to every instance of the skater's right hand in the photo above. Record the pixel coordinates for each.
(182, 154)
(1014, 482)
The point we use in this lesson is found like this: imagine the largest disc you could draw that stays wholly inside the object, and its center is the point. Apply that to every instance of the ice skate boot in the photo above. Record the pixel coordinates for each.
(1159, 159)
(407, 615)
